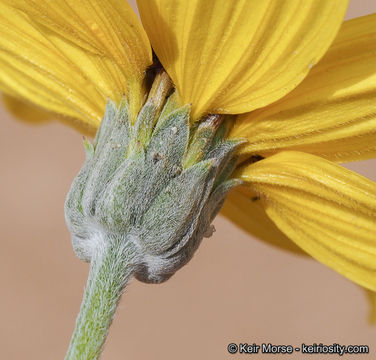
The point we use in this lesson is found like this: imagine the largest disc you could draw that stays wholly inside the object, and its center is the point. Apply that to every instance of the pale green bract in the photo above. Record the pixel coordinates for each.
(135, 184)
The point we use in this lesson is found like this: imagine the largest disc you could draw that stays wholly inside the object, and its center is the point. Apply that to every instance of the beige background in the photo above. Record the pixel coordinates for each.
(236, 289)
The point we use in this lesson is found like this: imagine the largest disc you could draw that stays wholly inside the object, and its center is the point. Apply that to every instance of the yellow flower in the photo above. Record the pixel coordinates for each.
(301, 111)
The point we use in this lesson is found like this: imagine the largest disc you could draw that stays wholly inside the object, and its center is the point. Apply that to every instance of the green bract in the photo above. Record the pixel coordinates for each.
(156, 184)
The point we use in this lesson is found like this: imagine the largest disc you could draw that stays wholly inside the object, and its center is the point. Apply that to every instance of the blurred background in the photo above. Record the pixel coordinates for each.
(236, 289)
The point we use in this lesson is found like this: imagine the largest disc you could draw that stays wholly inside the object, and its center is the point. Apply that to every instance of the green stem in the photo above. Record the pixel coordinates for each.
(111, 267)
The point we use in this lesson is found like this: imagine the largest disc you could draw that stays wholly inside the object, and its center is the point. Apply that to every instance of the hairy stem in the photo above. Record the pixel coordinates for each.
(112, 265)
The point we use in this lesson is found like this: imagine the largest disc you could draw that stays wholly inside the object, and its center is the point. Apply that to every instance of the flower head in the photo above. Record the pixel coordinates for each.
(302, 112)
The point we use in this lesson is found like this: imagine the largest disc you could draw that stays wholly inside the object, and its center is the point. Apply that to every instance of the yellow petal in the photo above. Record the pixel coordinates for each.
(327, 210)
(108, 28)
(235, 56)
(24, 111)
(332, 113)
(45, 56)
(243, 209)
(371, 296)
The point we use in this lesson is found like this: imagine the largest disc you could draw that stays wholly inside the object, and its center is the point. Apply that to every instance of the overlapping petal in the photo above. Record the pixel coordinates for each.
(70, 56)
(234, 57)
(327, 210)
(332, 113)
(243, 209)
(108, 28)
